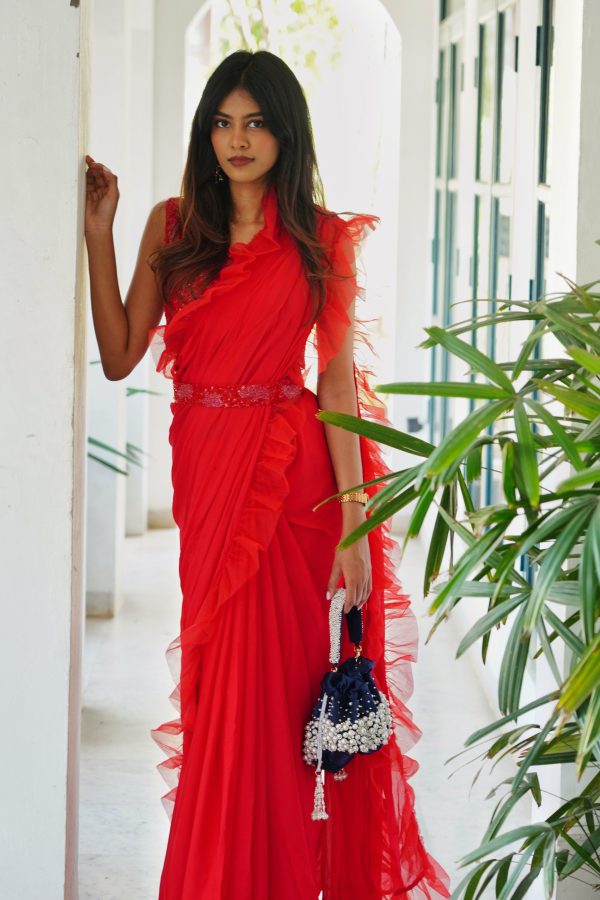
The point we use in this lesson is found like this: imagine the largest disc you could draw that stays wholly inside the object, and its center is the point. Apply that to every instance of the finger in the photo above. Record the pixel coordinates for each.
(333, 580)
(350, 598)
(364, 596)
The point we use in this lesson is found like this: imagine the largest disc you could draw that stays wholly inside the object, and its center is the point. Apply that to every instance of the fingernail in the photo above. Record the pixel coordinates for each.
(328, 595)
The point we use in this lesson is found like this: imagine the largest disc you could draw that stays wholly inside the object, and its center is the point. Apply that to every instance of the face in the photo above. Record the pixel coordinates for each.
(238, 129)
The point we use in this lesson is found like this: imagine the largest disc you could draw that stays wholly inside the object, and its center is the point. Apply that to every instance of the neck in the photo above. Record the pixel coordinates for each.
(246, 200)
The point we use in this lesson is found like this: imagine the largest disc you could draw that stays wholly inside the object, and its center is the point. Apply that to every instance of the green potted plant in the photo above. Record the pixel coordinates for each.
(532, 557)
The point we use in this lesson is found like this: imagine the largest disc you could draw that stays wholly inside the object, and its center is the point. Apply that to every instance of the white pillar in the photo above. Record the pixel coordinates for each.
(106, 399)
(42, 472)
(121, 137)
(171, 22)
(416, 23)
(574, 222)
(138, 202)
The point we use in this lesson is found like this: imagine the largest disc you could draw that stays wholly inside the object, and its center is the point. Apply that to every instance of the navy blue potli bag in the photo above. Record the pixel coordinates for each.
(351, 715)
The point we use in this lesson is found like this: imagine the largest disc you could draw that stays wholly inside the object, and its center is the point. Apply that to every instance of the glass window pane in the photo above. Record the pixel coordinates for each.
(546, 90)
(453, 109)
(436, 253)
(485, 100)
(507, 95)
(542, 247)
(448, 297)
(481, 256)
(501, 247)
(441, 92)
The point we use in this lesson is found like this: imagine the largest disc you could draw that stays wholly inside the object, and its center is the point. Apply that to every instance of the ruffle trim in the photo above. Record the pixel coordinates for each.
(391, 630)
(164, 341)
(258, 519)
(393, 617)
(390, 625)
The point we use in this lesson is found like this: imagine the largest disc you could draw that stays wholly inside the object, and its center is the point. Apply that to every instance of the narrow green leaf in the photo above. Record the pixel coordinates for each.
(376, 519)
(508, 472)
(562, 436)
(108, 465)
(420, 511)
(509, 837)
(477, 361)
(581, 681)
(471, 880)
(589, 361)
(473, 471)
(582, 853)
(588, 576)
(455, 444)
(581, 331)
(444, 389)
(574, 643)
(439, 539)
(588, 476)
(527, 454)
(527, 347)
(518, 868)
(471, 558)
(512, 666)
(499, 723)
(487, 622)
(533, 751)
(383, 434)
(552, 563)
(578, 401)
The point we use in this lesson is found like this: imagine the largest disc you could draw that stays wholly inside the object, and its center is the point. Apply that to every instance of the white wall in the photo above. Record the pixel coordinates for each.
(170, 24)
(108, 140)
(43, 447)
(417, 24)
(121, 108)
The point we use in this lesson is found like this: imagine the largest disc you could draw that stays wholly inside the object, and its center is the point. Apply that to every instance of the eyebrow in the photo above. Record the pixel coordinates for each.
(248, 116)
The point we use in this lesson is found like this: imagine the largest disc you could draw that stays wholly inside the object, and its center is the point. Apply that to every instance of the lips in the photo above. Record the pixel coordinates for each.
(240, 160)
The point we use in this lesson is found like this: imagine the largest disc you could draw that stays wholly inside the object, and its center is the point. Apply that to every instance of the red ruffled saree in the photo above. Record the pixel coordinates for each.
(249, 463)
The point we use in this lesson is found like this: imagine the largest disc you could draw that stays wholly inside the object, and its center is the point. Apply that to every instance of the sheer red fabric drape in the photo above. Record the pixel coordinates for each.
(255, 558)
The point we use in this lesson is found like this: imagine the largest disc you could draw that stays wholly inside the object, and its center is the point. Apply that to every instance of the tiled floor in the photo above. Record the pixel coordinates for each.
(124, 828)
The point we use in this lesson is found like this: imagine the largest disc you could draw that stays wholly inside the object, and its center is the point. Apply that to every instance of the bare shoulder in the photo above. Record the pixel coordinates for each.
(154, 233)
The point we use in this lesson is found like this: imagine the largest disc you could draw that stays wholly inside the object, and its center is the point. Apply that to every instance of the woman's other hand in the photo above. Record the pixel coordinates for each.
(354, 563)
(102, 197)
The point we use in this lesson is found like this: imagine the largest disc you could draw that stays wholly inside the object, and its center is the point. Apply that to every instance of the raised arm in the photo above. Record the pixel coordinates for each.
(121, 327)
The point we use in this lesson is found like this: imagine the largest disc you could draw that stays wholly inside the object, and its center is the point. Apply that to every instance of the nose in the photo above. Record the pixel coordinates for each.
(238, 137)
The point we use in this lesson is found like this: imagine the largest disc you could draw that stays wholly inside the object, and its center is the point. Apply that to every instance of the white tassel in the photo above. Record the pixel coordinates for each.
(319, 811)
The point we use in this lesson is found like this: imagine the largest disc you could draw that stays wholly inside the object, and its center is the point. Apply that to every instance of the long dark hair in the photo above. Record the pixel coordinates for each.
(206, 206)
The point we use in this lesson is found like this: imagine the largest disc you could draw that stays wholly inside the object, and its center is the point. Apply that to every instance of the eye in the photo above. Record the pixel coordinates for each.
(216, 122)
(256, 122)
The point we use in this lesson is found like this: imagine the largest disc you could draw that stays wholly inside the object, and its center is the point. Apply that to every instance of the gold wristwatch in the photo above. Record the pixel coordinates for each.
(358, 496)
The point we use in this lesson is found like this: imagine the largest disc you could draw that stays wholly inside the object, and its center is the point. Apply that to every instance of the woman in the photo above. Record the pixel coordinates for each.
(243, 265)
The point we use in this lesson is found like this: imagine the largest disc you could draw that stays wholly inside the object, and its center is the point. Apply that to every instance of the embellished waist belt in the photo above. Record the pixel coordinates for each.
(236, 394)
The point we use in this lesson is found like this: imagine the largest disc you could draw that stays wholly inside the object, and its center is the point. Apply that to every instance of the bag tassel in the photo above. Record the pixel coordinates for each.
(319, 811)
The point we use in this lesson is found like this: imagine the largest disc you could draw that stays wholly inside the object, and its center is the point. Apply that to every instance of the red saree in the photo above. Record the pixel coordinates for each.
(254, 564)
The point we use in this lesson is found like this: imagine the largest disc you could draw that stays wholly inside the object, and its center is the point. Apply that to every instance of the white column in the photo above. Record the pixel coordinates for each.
(574, 221)
(106, 399)
(171, 22)
(42, 472)
(417, 25)
(138, 202)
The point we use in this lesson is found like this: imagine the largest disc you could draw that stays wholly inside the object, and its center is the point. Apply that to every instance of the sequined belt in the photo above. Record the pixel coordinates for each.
(236, 394)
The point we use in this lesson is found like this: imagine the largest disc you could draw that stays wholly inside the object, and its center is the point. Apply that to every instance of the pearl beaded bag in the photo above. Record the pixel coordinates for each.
(351, 715)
